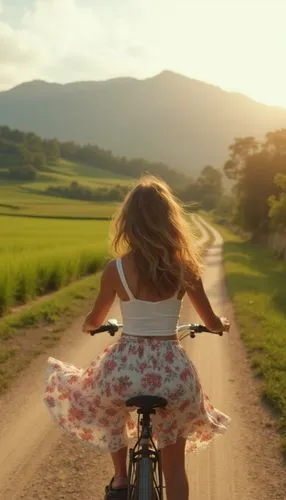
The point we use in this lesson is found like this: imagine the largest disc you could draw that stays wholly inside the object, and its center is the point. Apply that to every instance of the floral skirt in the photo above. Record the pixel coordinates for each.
(90, 404)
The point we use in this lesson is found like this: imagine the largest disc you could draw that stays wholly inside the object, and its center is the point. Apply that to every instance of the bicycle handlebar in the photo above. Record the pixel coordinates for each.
(112, 327)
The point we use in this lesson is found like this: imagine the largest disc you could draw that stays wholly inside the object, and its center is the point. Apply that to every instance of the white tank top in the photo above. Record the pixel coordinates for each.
(147, 318)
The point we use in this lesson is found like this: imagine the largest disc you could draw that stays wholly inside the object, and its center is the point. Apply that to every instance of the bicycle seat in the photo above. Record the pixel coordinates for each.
(147, 403)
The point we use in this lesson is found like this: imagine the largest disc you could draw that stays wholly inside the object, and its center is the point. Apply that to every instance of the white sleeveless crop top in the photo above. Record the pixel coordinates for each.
(147, 318)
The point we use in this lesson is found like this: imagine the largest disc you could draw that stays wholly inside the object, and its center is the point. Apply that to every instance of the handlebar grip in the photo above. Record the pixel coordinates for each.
(100, 329)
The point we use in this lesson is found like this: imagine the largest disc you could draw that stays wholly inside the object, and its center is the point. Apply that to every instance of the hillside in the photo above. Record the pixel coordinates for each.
(182, 122)
(36, 179)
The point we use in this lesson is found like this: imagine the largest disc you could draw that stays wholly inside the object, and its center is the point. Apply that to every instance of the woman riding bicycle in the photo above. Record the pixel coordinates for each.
(156, 266)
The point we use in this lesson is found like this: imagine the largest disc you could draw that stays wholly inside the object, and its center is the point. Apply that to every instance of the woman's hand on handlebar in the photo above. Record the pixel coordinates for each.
(225, 323)
(87, 324)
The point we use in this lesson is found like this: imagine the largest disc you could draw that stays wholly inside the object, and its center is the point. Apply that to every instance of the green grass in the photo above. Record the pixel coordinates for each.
(38, 327)
(28, 198)
(21, 199)
(38, 256)
(256, 283)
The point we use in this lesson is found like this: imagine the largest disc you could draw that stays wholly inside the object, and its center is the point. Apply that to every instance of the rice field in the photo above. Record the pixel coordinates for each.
(38, 256)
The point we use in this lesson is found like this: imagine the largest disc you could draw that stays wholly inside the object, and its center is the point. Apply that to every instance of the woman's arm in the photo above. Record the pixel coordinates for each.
(103, 301)
(201, 303)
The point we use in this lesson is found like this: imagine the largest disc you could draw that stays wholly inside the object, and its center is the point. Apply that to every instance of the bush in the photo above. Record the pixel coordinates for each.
(23, 172)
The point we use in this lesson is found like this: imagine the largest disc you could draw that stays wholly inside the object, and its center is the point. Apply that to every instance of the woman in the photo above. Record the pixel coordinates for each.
(157, 266)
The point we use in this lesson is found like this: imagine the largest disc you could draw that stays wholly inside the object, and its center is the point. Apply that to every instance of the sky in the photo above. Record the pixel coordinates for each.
(238, 45)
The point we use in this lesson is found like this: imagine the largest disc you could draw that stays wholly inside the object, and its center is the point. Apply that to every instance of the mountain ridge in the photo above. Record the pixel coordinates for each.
(169, 117)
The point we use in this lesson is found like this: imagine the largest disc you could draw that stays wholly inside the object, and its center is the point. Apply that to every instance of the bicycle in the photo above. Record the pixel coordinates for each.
(145, 477)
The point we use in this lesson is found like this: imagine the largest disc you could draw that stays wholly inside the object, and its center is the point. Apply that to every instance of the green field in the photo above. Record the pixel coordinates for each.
(28, 198)
(42, 255)
(256, 283)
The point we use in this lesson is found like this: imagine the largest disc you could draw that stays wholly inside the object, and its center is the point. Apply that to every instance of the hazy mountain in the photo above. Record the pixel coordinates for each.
(182, 122)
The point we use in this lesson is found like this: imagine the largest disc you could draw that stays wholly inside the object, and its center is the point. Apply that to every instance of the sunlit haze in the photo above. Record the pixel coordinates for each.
(237, 45)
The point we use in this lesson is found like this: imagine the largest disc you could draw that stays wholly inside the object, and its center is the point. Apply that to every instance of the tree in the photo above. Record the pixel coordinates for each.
(277, 204)
(52, 150)
(240, 150)
(275, 142)
(254, 167)
(25, 155)
(38, 161)
(33, 143)
(23, 172)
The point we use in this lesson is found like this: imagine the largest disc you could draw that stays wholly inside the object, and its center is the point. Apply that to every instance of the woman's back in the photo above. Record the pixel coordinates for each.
(146, 316)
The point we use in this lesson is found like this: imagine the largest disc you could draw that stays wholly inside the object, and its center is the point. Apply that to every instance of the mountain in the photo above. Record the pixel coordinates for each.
(182, 122)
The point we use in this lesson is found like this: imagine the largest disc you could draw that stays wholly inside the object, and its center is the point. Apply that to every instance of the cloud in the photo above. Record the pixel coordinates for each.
(65, 40)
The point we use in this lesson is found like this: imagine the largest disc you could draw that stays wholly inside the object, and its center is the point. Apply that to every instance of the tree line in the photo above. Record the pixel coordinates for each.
(26, 153)
(257, 172)
(76, 191)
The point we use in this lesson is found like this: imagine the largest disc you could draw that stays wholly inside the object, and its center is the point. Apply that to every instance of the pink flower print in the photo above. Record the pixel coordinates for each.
(168, 369)
(107, 390)
(169, 357)
(205, 436)
(131, 425)
(73, 379)
(104, 421)
(75, 414)
(50, 388)
(171, 427)
(50, 401)
(141, 350)
(152, 381)
(122, 384)
(62, 421)
(93, 409)
(191, 446)
(121, 346)
(133, 349)
(64, 395)
(86, 434)
(109, 366)
(116, 432)
(199, 422)
(184, 405)
(154, 363)
(173, 396)
(124, 359)
(77, 396)
(97, 376)
(116, 402)
(185, 374)
(142, 367)
(154, 345)
(88, 382)
(110, 412)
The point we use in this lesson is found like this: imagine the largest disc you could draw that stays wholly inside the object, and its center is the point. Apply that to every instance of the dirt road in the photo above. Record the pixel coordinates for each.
(38, 461)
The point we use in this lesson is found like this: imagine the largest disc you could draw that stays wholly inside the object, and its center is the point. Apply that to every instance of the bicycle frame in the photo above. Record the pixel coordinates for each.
(145, 478)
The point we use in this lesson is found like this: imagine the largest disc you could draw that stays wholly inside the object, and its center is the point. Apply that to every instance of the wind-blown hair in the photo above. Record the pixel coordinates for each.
(152, 226)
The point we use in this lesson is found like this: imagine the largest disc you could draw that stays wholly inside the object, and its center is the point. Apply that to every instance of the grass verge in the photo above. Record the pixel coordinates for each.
(30, 332)
(256, 283)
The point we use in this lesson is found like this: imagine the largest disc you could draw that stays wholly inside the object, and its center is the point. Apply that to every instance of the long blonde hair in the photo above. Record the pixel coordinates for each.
(151, 225)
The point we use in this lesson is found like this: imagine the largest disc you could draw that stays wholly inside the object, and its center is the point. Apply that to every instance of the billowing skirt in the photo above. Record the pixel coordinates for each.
(90, 403)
